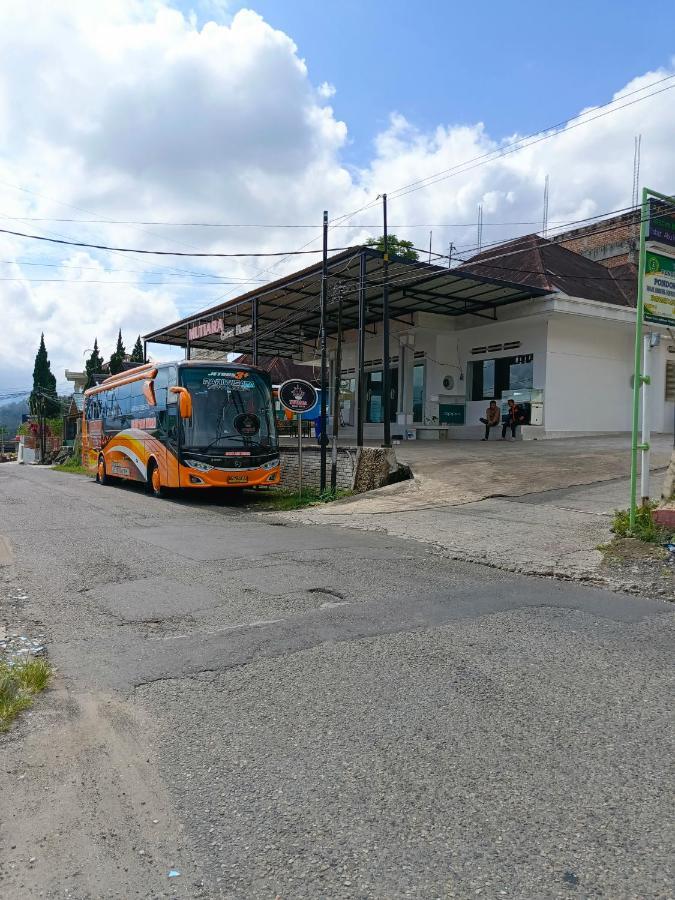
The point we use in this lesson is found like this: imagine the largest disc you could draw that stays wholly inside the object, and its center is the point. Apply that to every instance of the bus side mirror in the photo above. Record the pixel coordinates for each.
(184, 401)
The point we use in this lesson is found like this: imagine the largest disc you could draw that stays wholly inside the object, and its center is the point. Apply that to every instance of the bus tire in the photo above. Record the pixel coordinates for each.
(154, 483)
(101, 476)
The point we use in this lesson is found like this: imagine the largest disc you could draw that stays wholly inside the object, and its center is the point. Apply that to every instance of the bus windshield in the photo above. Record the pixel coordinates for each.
(230, 408)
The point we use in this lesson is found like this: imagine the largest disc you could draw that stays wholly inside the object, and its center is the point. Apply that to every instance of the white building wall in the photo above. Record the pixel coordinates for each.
(588, 376)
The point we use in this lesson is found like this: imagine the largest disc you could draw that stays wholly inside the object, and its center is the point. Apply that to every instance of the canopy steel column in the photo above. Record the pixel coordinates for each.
(145, 351)
(187, 342)
(254, 314)
(324, 373)
(386, 375)
(360, 378)
(336, 399)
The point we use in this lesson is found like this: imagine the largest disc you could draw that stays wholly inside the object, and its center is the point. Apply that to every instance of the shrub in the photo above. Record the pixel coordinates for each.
(646, 529)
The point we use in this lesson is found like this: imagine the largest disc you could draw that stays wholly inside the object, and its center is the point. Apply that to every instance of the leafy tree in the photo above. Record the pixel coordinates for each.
(94, 365)
(137, 353)
(396, 247)
(43, 400)
(117, 359)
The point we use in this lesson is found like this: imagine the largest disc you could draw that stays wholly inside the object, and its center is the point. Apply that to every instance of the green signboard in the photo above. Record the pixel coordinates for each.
(451, 413)
(659, 289)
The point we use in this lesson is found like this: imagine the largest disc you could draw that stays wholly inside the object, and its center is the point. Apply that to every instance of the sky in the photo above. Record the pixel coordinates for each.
(257, 117)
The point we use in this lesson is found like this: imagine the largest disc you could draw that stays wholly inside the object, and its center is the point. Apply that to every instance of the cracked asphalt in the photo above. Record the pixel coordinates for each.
(285, 710)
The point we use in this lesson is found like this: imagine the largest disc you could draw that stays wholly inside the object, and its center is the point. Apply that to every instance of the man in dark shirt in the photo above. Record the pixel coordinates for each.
(514, 418)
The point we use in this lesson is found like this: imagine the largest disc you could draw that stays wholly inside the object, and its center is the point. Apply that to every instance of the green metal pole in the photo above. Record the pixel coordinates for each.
(637, 371)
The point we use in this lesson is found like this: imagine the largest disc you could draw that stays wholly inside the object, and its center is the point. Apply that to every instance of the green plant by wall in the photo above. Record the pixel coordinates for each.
(646, 529)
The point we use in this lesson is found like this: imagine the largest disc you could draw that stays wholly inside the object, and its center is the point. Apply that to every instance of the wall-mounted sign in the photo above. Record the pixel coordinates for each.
(215, 326)
(239, 329)
(297, 396)
(659, 289)
(661, 225)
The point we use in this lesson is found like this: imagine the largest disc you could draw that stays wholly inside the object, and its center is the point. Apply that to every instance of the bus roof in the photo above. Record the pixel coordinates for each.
(146, 370)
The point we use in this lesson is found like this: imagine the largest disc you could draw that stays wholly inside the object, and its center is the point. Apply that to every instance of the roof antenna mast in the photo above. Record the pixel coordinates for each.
(479, 235)
(636, 170)
(637, 216)
(544, 221)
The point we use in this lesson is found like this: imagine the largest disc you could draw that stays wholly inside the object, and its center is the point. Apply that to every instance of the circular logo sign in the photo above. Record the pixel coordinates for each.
(297, 396)
(247, 424)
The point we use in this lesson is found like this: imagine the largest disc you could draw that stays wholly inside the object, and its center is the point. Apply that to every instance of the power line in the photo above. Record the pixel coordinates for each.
(268, 225)
(140, 284)
(286, 253)
(543, 134)
(231, 279)
(519, 144)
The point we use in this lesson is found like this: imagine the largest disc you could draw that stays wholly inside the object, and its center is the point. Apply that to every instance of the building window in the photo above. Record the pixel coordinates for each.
(490, 378)
(418, 394)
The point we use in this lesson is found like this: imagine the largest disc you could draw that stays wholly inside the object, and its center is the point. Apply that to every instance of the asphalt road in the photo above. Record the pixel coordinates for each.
(288, 711)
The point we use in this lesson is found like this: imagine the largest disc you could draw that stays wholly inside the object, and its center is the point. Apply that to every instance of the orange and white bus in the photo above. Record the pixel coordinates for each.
(194, 424)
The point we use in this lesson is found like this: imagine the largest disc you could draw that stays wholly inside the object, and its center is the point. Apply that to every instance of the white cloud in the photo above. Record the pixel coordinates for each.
(132, 110)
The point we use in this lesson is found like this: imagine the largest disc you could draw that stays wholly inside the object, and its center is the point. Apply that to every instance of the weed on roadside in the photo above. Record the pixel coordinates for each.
(74, 467)
(646, 529)
(18, 684)
(284, 500)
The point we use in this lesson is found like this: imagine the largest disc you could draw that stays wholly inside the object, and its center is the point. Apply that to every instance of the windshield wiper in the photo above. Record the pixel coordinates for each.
(220, 438)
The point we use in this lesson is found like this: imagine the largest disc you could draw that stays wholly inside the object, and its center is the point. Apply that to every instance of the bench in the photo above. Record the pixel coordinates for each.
(440, 430)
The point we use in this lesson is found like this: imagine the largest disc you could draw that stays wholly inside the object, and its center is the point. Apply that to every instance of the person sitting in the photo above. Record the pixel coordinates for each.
(491, 420)
(514, 418)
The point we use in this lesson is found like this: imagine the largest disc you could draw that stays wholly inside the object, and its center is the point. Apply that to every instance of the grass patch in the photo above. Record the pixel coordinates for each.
(18, 684)
(646, 529)
(629, 549)
(283, 500)
(75, 467)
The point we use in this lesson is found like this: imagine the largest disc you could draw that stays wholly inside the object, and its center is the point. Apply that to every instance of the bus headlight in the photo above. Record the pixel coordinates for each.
(272, 464)
(197, 464)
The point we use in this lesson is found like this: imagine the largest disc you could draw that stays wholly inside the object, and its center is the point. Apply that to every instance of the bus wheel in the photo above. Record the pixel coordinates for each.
(101, 476)
(154, 481)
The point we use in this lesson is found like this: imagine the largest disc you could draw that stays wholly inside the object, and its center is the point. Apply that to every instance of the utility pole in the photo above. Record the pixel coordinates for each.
(324, 373)
(336, 398)
(385, 331)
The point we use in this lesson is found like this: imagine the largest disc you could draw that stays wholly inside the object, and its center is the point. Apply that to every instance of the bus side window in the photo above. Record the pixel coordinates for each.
(138, 401)
(172, 381)
(124, 405)
(161, 384)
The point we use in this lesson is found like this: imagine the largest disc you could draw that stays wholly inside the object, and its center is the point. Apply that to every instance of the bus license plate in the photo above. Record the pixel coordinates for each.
(237, 479)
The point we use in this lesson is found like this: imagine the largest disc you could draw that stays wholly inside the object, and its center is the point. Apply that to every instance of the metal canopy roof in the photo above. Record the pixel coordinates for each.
(288, 309)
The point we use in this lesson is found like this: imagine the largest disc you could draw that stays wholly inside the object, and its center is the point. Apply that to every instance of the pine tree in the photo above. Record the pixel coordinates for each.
(94, 365)
(43, 400)
(137, 353)
(117, 359)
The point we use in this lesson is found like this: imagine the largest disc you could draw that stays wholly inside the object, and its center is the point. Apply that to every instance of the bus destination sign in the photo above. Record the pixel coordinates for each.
(297, 396)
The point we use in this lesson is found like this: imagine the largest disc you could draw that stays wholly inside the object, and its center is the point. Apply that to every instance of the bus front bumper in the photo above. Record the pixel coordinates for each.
(235, 478)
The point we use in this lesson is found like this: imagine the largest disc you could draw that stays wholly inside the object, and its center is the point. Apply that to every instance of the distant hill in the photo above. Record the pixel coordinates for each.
(10, 415)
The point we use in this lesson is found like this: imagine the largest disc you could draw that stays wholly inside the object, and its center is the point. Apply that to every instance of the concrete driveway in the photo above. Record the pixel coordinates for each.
(472, 471)
(453, 472)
